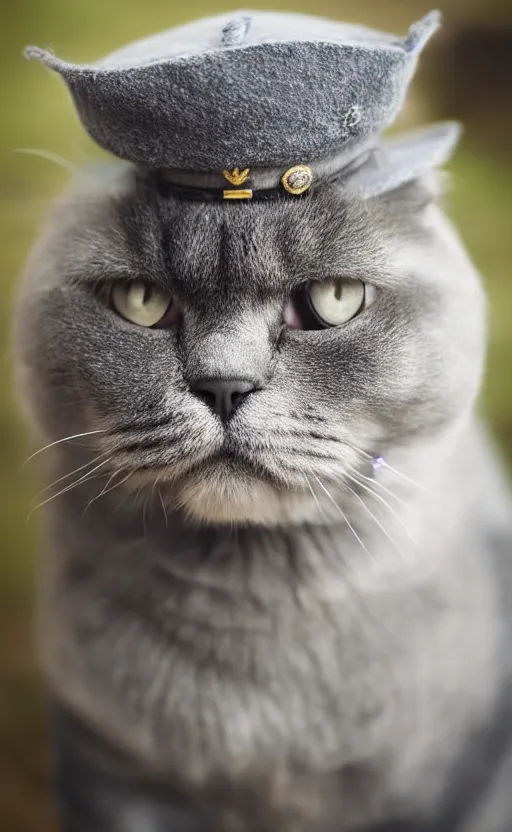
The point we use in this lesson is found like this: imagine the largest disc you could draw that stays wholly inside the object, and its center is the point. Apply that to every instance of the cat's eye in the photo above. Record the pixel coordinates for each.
(336, 301)
(143, 303)
(326, 304)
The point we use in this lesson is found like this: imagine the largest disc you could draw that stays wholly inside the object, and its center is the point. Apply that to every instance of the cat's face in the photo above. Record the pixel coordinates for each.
(324, 400)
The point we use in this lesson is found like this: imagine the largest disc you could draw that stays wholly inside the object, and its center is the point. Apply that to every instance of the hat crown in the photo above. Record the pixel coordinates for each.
(252, 28)
(250, 89)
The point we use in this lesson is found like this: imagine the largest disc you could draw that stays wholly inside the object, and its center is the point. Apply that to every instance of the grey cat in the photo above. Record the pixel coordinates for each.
(275, 590)
(243, 624)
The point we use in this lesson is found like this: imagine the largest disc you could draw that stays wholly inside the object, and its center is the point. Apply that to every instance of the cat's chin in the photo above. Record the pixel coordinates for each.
(222, 494)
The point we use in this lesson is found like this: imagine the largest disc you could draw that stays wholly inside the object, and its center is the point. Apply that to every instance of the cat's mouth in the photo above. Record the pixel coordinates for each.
(231, 484)
(249, 476)
(231, 462)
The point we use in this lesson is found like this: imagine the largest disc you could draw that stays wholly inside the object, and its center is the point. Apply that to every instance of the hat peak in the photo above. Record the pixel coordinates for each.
(421, 31)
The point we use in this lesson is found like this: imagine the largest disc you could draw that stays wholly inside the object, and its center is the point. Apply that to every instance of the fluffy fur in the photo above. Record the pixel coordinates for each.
(242, 608)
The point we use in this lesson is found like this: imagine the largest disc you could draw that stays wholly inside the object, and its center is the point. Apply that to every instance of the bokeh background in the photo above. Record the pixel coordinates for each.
(466, 73)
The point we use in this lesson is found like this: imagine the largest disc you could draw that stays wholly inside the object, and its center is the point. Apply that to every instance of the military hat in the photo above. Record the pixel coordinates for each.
(258, 104)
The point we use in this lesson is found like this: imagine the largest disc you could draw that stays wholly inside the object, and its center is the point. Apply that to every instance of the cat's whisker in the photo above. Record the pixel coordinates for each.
(121, 482)
(385, 503)
(342, 513)
(379, 524)
(315, 498)
(163, 508)
(388, 467)
(106, 489)
(144, 530)
(151, 497)
(356, 595)
(80, 480)
(103, 490)
(377, 484)
(71, 473)
(360, 451)
(50, 157)
(121, 501)
(60, 441)
(406, 478)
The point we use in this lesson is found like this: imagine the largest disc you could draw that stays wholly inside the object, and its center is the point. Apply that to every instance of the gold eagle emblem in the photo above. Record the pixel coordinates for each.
(236, 177)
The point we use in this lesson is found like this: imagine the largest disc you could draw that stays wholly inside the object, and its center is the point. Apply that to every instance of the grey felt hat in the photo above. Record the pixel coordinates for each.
(263, 99)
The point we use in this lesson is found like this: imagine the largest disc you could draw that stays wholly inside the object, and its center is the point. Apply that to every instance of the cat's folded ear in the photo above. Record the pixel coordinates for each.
(406, 160)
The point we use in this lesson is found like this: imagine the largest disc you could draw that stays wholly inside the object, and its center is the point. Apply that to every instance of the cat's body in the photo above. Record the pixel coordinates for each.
(302, 645)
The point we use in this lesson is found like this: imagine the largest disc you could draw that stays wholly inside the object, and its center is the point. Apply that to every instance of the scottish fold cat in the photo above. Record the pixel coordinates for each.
(275, 579)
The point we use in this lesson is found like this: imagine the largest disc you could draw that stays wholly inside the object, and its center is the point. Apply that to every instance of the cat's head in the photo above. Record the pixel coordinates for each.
(245, 356)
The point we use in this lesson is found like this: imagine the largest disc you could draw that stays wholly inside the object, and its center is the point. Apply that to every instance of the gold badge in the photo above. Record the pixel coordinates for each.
(239, 194)
(236, 177)
(298, 179)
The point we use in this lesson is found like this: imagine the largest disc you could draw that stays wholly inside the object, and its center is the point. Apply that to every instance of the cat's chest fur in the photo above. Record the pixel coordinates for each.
(243, 665)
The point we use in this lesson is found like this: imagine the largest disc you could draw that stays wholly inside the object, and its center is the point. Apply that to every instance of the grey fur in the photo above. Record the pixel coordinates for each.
(322, 682)
(286, 90)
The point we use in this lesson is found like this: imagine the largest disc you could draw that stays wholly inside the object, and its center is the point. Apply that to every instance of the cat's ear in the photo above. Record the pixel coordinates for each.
(408, 166)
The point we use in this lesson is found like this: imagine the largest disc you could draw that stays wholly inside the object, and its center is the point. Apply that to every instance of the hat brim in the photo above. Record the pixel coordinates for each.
(403, 158)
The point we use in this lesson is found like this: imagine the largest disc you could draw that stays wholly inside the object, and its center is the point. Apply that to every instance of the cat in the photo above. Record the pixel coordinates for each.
(280, 603)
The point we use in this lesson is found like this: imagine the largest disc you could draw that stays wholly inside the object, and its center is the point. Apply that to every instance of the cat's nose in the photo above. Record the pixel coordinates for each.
(223, 395)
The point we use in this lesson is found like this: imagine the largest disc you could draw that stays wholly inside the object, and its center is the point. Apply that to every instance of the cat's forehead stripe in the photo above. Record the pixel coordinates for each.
(198, 247)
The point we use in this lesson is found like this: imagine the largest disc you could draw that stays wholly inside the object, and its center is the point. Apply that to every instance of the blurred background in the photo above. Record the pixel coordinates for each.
(466, 73)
